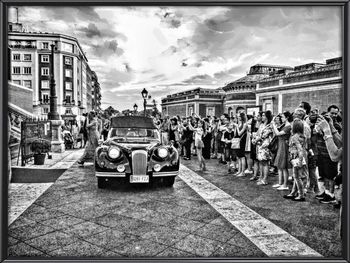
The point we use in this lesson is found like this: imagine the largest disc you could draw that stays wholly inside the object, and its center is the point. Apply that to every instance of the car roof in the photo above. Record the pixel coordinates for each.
(132, 122)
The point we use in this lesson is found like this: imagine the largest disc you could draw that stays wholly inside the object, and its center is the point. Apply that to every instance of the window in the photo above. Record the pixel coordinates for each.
(190, 111)
(68, 85)
(210, 111)
(68, 111)
(46, 110)
(68, 73)
(27, 70)
(45, 58)
(44, 71)
(68, 60)
(16, 57)
(16, 70)
(18, 82)
(67, 47)
(45, 84)
(27, 57)
(45, 45)
(268, 105)
(27, 84)
(45, 98)
(67, 99)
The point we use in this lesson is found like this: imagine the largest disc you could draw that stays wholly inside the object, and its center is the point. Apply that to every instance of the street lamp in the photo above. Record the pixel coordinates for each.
(135, 108)
(144, 94)
(53, 114)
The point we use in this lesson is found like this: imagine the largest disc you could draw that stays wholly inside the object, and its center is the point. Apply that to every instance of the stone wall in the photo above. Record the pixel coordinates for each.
(320, 99)
(174, 110)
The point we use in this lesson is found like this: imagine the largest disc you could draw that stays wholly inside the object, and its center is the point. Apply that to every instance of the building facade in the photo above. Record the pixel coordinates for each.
(241, 92)
(271, 87)
(30, 55)
(96, 92)
(316, 83)
(204, 102)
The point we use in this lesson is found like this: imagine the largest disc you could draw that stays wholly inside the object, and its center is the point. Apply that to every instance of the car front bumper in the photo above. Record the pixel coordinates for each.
(123, 175)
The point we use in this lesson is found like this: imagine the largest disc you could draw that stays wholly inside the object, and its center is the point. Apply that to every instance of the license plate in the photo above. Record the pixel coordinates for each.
(139, 178)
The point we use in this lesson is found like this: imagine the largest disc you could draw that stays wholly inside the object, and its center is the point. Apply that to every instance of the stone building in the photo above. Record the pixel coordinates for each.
(204, 102)
(316, 83)
(241, 92)
(30, 58)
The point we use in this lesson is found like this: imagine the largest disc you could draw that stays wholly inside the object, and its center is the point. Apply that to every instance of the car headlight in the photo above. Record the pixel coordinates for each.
(121, 168)
(157, 167)
(162, 152)
(114, 153)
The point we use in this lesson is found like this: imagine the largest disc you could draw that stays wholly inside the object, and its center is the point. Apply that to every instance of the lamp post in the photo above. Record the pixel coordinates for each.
(53, 114)
(57, 144)
(135, 108)
(144, 94)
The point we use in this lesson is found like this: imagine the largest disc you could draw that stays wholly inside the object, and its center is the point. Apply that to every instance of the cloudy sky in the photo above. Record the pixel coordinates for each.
(170, 49)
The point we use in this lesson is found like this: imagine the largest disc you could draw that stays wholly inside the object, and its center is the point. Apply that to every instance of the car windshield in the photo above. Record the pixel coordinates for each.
(134, 133)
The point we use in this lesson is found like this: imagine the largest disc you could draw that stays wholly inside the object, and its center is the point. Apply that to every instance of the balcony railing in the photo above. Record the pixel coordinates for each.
(22, 46)
(68, 103)
(44, 102)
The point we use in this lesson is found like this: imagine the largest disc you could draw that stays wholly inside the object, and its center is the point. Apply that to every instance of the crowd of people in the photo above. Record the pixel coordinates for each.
(304, 147)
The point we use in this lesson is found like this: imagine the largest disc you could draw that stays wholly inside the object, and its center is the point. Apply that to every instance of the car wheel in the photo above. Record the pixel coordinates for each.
(101, 182)
(169, 181)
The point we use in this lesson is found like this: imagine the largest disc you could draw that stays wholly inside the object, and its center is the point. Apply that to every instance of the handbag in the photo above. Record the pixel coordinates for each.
(273, 145)
(235, 143)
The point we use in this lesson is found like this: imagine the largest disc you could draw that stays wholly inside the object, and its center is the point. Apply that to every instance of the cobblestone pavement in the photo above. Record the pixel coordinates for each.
(74, 218)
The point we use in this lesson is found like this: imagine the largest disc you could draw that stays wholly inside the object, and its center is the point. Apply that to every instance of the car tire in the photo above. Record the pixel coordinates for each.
(169, 181)
(101, 182)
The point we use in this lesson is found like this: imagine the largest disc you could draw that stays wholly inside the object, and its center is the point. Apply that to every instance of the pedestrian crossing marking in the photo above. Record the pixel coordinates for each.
(269, 238)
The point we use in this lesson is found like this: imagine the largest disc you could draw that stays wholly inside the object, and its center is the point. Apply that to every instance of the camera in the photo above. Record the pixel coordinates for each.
(313, 118)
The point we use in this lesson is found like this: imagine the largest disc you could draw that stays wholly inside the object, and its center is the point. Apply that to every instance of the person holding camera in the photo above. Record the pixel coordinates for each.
(199, 133)
(187, 138)
(230, 154)
(327, 168)
(262, 141)
(312, 184)
(282, 156)
(333, 142)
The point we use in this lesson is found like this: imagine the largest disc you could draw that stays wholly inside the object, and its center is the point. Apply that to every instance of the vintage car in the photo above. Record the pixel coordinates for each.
(133, 152)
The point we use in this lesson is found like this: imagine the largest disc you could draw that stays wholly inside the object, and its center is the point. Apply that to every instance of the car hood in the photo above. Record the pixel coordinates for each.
(133, 145)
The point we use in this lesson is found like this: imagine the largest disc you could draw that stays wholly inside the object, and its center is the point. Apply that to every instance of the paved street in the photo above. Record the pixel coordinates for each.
(206, 214)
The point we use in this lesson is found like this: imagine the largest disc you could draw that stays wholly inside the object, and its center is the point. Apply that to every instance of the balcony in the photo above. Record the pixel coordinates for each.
(44, 102)
(23, 46)
(68, 103)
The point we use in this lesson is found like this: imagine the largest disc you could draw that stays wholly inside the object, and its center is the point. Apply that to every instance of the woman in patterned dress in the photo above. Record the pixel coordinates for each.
(263, 141)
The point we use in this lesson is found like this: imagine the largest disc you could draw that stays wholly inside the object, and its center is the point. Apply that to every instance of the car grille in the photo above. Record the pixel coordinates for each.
(139, 162)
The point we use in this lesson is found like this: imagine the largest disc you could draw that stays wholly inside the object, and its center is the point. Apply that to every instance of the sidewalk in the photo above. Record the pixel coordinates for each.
(22, 195)
(54, 163)
(311, 222)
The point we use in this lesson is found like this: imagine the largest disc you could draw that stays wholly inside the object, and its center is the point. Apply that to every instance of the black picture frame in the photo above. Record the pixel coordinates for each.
(5, 4)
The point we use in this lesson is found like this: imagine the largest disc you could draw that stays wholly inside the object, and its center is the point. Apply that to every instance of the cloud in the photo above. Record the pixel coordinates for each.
(107, 48)
(170, 19)
(100, 31)
(170, 49)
